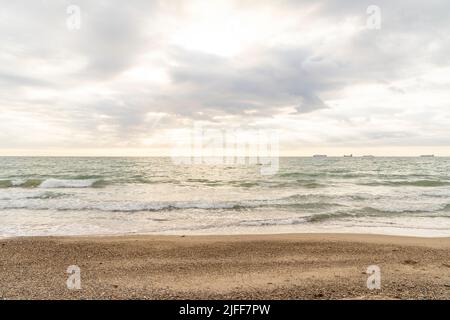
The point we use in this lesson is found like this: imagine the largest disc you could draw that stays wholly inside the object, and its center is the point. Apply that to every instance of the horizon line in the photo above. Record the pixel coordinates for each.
(166, 156)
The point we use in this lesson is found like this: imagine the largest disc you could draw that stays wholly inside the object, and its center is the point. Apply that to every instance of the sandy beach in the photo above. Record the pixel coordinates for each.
(294, 266)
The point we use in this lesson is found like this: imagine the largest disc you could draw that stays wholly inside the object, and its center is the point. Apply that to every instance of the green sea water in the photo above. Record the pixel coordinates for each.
(97, 196)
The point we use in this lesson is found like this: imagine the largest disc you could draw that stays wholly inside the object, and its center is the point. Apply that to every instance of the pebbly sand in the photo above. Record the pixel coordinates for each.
(294, 266)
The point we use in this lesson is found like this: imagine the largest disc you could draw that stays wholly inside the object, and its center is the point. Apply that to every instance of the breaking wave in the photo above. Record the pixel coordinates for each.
(52, 183)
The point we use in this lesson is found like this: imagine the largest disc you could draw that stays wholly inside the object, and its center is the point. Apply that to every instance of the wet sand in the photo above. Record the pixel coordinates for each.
(294, 266)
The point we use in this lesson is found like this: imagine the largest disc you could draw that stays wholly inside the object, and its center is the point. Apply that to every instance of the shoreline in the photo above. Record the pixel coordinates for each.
(256, 266)
(341, 236)
(289, 233)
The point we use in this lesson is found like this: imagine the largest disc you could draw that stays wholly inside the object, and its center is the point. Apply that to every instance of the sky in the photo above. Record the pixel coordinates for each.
(129, 76)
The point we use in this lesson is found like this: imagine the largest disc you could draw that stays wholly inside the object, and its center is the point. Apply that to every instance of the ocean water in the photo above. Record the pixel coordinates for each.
(105, 196)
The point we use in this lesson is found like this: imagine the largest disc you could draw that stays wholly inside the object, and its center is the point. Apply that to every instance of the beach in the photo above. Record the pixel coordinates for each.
(225, 150)
(289, 266)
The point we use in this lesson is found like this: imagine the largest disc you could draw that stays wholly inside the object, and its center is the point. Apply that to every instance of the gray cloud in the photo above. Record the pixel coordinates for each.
(50, 70)
(209, 82)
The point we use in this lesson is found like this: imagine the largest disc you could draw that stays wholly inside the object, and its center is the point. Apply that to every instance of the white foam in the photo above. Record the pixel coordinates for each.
(60, 183)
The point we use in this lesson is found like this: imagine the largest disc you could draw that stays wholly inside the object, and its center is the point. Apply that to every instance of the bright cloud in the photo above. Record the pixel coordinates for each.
(138, 71)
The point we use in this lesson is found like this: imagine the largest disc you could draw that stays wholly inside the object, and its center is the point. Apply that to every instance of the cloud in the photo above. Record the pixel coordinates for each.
(292, 65)
(21, 80)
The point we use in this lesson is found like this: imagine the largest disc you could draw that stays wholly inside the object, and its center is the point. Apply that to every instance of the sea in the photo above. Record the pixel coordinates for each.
(57, 196)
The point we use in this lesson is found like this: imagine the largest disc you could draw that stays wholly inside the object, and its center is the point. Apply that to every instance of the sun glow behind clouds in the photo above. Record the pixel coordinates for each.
(223, 28)
(212, 28)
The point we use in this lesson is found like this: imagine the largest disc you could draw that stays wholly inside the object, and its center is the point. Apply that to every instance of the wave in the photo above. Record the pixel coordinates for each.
(118, 206)
(315, 218)
(313, 185)
(311, 203)
(36, 202)
(327, 216)
(25, 195)
(307, 197)
(303, 174)
(46, 195)
(322, 217)
(60, 183)
(272, 222)
(28, 183)
(87, 181)
(416, 183)
(343, 174)
(52, 183)
(6, 184)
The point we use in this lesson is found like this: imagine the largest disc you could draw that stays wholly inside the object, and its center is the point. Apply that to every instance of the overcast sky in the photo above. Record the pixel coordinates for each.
(138, 71)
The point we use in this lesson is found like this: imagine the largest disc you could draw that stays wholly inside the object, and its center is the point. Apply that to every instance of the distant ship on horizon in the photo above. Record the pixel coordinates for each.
(320, 156)
(427, 156)
(348, 155)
